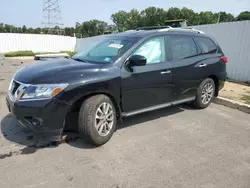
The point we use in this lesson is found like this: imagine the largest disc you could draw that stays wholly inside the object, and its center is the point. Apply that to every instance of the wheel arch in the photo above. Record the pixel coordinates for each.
(78, 102)
(216, 82)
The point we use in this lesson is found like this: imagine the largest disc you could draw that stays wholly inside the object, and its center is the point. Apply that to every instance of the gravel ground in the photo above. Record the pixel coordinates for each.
(235, 91)
(8, 69)
(174, 147)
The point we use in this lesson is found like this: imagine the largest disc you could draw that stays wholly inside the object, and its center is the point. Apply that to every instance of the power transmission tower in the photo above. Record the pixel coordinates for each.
(52, 18)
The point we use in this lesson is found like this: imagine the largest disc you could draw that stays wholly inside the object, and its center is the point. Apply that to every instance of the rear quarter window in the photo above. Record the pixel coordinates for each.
(207, 45)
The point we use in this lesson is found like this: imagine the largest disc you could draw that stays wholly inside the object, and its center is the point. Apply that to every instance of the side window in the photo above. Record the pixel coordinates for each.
(206, 45)
(182, 47)
(153, 50)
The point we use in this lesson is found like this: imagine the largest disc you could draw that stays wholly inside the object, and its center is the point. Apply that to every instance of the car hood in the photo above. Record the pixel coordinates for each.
(54, 71)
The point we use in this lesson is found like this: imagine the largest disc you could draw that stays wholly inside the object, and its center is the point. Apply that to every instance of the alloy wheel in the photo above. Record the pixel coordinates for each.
(104, 119)
(207, 93)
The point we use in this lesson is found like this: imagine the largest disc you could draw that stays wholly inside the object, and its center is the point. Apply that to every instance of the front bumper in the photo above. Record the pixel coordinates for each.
(44, 117)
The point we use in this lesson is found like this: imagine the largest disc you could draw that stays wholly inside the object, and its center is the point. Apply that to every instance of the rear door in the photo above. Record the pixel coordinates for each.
(186, 65)
(212, 64)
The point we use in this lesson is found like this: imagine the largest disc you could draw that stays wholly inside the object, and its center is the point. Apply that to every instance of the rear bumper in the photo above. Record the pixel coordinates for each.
(222, 80)
(43, 117)
(221, 84)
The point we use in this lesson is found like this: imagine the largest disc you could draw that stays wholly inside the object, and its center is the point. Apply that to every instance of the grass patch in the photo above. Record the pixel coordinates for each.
(69, 53)
(41, 53)
(19, 54)
(246, 98)
(238, 82)
(30, 53)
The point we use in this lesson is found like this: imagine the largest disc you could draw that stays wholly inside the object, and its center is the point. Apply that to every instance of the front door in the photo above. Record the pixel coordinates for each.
(148, 85)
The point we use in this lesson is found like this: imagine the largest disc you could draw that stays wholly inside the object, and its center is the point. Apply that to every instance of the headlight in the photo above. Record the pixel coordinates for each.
(43, 91)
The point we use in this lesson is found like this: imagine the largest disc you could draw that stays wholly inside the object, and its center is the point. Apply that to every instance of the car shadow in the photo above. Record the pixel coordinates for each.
(14, 132)
(149, 116)
(135, 121)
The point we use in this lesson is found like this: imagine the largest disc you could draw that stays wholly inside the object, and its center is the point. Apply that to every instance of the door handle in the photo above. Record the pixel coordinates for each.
(202, 65)
(166, 72)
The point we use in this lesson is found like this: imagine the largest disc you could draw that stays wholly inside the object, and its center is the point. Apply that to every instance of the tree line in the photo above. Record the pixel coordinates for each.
(122, 21)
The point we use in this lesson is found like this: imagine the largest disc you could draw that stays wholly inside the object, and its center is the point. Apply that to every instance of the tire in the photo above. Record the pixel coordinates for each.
(207, 85)
(93, 130)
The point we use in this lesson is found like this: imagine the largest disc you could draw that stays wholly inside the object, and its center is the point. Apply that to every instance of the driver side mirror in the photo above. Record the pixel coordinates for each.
(137, 60)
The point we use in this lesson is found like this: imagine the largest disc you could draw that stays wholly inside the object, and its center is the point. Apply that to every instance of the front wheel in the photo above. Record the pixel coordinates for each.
(205, 94)
(97, 119)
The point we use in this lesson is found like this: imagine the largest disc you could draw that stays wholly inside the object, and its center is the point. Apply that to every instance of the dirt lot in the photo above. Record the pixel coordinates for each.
(8, 69)
(236, 92)
(173, 147)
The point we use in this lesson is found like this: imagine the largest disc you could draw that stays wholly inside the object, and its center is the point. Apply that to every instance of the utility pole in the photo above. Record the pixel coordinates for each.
(52, 18)
(218, 21)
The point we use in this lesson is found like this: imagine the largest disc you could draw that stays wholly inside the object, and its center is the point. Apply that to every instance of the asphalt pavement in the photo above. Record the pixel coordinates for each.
(173, 147)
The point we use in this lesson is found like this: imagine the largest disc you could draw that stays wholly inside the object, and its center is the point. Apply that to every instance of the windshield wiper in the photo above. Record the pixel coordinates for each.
(78, 59)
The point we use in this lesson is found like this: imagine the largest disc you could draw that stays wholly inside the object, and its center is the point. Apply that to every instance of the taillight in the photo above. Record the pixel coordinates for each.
(224, 59)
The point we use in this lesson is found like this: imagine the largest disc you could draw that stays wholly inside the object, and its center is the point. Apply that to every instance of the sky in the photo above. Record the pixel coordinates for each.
(29, 12)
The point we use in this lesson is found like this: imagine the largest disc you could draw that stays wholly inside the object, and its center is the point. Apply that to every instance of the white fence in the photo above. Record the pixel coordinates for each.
(85, 43)
(36, 43)
(234, 39)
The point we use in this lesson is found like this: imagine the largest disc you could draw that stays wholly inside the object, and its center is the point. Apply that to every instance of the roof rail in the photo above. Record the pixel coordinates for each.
(152, 28)
(187, 29)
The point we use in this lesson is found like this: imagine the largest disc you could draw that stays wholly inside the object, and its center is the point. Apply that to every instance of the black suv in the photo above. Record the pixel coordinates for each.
(125, 74)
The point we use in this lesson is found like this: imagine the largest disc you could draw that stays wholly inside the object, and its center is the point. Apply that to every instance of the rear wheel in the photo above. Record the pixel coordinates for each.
(97, 119)
(205, 94)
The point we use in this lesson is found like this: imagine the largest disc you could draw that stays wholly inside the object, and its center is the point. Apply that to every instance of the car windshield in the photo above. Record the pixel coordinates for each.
(105, 51)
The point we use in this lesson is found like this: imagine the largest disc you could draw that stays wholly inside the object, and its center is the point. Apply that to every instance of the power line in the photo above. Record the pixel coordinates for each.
(52, 19)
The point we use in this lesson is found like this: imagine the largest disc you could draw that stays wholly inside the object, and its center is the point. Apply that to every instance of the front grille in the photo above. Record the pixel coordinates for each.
(14, 87)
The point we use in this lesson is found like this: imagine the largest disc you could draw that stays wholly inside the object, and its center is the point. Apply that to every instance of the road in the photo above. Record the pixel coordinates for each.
(174, 147)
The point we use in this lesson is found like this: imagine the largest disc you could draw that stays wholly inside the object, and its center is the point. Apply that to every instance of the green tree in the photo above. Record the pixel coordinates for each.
(19, 30)
(69, 31)
(37, 30)
(191, 17)
(2, 28)
(100, 26)
(111, 28)
(24, 29)
(93, 28)
(206, 18)
(134, 19)
(8, 28)
(174, 13)
(153, 16)
(244, 16)
(78, 30)
(225, 17)
(30, 30)
(120, 19)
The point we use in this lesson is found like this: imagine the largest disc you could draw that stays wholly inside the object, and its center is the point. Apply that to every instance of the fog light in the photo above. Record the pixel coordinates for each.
(36, 121)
